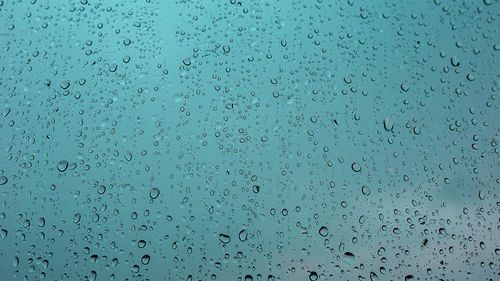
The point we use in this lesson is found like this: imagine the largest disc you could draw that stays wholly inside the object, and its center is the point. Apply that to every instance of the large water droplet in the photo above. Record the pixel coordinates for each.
(349, 258)
(388, 126)
(356, 167)
(224, 238)
(62, 166)
(323, 231)
(243, 235)
(154, 193)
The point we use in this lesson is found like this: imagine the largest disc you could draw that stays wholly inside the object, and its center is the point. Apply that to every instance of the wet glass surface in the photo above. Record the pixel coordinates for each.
(249, 140)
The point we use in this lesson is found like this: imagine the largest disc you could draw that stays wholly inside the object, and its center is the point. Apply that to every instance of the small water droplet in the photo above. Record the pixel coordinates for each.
(3, 180)
(365, 190)
(101, 189)
(388, 126)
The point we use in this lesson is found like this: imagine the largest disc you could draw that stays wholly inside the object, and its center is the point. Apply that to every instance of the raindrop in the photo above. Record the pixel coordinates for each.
(101, 189)
(349, 258)
(145, 259)
(365, 190)
(64, 84)
(481, 195)
(77, 217)
(224, 238)
(15, 261)
(113, 67)
(323, 231)
(141, 244)
(404, 87)
(128, 156)
(243, 235)
(41, 222)
(416, 130)
(388, 126)
(356, 167)
(154, 193)
(409, 277)
(62, 166)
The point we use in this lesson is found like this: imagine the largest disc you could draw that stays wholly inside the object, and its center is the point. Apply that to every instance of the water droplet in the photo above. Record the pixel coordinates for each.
(313, 276)
(128, 156)
(41, 222)
(145, 259)
(416, 130)
(409, 278)
(243, 235)
(101, 189)
(481, 195)
(62, 166)
(3, 233)
(365, 190)
(154, 193)
(388, 126)
(15, 261)
(64, 84)
(349, 258)
(356, 167)
(77, 217)
(113, 67)
(404, 87)
(224, 238)
(93, 276)
(323, 231)
(141, 244)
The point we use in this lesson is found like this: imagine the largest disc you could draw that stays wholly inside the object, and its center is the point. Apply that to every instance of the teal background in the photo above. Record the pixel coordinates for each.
(259, 123)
